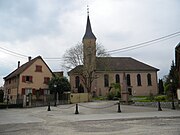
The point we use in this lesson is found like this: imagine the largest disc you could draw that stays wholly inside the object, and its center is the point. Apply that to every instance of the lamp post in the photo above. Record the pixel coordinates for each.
(172, 92)
(55, 94)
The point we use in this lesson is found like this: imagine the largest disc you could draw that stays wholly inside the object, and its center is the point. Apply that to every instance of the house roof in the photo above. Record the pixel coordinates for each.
(59, 74)
(88, 34)
(24, 67)
(178, 46)
(121, 64)
(77, 69)
(118, 64)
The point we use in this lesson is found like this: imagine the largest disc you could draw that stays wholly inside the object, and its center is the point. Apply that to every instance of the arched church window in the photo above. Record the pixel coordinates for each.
(139, 80)
(117, 78)
(128, 80)
(77, 82)
(106, 80)
(149, 79)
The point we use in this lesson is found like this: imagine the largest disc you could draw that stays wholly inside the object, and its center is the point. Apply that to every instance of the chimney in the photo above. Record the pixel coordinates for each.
(29, 58)
(18, 64)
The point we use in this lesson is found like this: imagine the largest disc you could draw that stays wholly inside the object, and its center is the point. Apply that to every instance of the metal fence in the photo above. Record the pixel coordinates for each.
(46, 99)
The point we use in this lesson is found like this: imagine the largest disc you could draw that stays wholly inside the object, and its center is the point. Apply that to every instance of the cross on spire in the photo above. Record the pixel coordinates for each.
(87, 10)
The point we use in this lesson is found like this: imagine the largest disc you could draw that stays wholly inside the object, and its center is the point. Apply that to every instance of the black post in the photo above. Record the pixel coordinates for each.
(173, 106)
(119, 108)
(76, 112)
(7, 102)
(55, 98)
(172, 91)
(49, 107)
(159, 106)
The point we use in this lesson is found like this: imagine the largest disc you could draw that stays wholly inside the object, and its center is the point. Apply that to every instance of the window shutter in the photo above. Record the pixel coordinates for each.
(46, 80)
(30, 78)
(23, 78)
(23, 91)
(42, 92)
(33, 91)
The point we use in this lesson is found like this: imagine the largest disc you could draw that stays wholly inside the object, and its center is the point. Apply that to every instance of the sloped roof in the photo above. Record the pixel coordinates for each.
(121, 64)
(59, 74)
(89, 34)
(23, 68)
(77, 69)
(117, 64)
(178, 46)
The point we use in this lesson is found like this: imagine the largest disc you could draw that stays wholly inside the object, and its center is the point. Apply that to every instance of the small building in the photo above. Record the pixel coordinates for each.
(30, 78)
(177, 61)
(101, 72)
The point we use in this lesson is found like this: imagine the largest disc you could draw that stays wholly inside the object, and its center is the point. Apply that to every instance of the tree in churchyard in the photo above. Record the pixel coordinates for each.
(59, 85)
(161, 86)
(171, 81)
(73, 57)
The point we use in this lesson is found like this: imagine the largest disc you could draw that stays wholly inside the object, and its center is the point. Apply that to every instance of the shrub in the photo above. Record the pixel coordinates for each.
(151, 97)
(110, 95)
(161, 98)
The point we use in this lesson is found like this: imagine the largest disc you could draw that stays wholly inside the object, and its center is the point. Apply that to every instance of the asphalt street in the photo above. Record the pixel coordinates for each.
(95, 118)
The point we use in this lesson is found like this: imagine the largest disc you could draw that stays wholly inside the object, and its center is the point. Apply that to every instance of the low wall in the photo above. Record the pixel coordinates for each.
(80, 97)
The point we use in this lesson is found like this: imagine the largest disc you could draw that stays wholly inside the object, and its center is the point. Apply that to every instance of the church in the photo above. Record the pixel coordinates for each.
(97, 74)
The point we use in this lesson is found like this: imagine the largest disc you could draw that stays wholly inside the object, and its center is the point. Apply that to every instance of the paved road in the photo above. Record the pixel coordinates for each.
(90, 121)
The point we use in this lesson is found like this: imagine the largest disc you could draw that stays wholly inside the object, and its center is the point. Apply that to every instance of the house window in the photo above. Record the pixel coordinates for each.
(27, 78)
(138, 80)
(77, 82)
(106, 80)
(46, 92)
(9, 81)
(28, 91)
(117, 78)
(149, 79)
(38, 68)
(128, 80)
(9, 91)
(46, 80)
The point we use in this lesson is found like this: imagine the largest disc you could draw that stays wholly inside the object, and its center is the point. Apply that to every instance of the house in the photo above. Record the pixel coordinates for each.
(29, 78)
(98, 73)
(177, 60)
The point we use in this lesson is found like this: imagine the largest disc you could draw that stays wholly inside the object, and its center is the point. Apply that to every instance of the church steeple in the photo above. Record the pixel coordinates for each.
(88, 34)
(89, 47)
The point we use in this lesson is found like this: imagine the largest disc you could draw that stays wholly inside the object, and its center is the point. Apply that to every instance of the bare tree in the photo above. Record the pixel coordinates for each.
(74, 56)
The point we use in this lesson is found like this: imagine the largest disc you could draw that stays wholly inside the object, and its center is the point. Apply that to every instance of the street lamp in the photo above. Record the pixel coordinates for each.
(55, 94)
(172, 92)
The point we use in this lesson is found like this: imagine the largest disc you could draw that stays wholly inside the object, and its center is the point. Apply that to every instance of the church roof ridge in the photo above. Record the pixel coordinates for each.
(122, 64)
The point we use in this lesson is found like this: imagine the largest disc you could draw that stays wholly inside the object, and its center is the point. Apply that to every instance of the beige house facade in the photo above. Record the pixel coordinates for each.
(141, 78)
(29, 78)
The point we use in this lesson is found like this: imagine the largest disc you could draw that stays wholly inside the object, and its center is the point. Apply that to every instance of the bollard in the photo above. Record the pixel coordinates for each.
(173, 106)
(119, 108)
(49, 107)
(159, 106)
(76, 112)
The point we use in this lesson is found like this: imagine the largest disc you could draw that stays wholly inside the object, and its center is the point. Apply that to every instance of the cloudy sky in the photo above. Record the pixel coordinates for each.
(50, 27)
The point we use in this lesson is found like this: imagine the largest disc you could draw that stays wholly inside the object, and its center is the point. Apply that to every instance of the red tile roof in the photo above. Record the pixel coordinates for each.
(23, 68)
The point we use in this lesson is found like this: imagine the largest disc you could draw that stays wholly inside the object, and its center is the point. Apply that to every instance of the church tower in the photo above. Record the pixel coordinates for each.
(89, 47)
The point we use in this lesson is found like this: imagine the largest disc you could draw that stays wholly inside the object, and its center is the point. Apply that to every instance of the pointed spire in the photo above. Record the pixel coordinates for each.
(88, 34)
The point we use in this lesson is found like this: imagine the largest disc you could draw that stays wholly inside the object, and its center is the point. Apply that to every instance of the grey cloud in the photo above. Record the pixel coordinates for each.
(21, 20)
